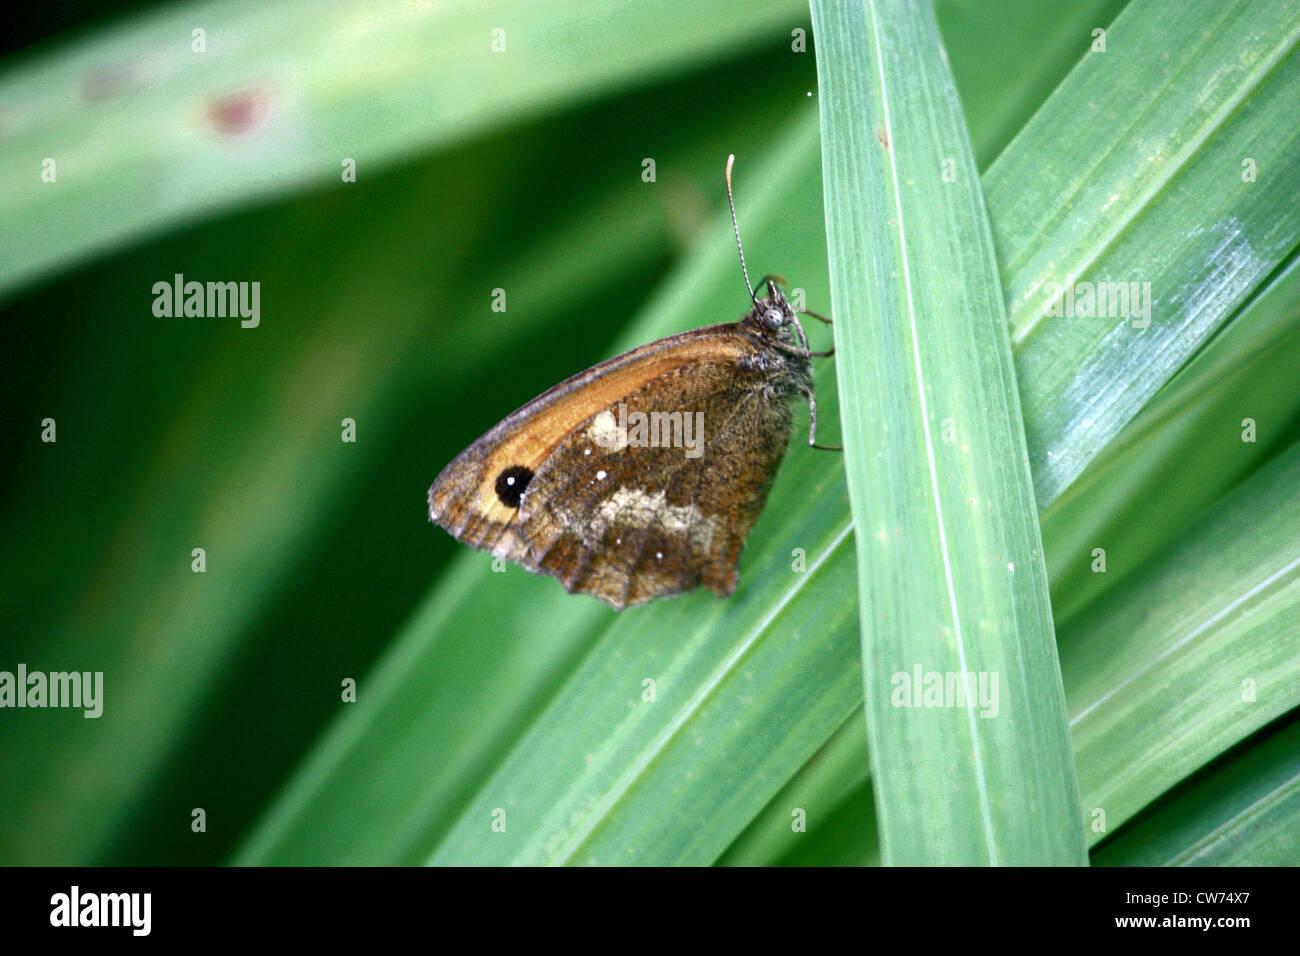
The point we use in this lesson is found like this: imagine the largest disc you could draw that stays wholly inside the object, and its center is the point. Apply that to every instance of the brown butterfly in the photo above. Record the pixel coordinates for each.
(643, 475)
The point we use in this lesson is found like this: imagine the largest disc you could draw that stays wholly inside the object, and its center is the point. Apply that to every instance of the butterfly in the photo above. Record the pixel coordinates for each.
(643, 475)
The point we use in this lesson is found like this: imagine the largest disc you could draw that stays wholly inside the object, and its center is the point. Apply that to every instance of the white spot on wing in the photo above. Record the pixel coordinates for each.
(632, 507)
(604, 431)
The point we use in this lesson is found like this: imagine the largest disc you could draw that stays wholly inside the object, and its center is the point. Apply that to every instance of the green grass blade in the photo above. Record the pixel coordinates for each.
(1032, 44)
(849, 836)
(1190, 437)
(1132, 172)
(1243, 811)
(950, 568)
(807, 803)
(1192, 653)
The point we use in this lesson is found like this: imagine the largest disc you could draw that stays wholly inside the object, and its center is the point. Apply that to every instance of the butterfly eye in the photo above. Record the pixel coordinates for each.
(773, 318)
(511, 483)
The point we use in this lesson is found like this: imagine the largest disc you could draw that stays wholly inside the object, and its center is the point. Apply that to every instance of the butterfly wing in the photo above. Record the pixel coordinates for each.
(628, 524)
(547, 487)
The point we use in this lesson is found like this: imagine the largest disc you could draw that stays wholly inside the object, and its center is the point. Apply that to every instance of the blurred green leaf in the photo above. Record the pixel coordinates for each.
(1007, 57)
(146, 130)
(246, 476)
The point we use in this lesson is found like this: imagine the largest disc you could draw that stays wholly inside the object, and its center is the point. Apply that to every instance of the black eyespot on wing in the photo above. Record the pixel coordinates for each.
(511, 483)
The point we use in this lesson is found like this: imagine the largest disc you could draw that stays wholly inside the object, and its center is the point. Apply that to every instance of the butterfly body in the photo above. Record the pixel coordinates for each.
(643, 475)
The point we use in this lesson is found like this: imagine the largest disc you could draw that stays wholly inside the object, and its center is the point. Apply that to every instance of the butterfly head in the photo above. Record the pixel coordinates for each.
(775, 309)
(771, 313)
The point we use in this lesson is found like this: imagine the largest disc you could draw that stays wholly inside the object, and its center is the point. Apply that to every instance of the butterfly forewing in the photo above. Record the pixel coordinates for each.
(465, 500)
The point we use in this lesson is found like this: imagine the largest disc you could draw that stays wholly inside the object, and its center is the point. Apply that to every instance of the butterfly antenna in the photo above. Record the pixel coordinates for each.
(736, 229)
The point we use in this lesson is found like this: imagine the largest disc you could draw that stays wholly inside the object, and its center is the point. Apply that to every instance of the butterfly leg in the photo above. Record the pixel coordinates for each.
(798, 327)
(803, 351)
(815, 315)
(794, 350)
(812, 425)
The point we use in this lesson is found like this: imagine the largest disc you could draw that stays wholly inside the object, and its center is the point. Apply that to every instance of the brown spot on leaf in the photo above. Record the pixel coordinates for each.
(239, 113)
